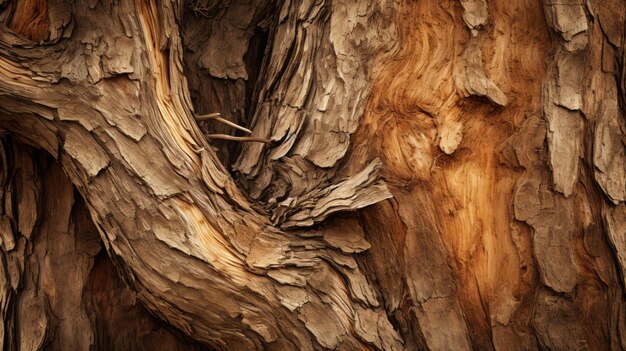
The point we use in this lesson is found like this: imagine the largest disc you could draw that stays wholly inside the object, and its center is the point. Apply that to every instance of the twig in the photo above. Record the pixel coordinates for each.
(216, 116)
(235, 138)
(234, 125)
(207, 116)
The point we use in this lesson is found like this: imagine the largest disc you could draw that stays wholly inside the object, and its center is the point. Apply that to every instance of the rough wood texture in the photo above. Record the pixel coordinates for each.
(59, 290)
(441, 174)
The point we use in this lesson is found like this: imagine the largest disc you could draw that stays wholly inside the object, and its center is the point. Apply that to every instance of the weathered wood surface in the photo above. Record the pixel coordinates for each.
(441, 175)
(59, 290)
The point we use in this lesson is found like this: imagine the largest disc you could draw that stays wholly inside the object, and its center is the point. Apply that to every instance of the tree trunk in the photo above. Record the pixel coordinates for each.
(421, 175)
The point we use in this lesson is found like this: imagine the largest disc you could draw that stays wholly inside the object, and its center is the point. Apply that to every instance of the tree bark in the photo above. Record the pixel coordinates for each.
(439, 175)
(59, 290)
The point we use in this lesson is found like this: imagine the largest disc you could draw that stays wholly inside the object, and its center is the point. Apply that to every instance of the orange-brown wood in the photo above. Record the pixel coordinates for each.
(30, 19)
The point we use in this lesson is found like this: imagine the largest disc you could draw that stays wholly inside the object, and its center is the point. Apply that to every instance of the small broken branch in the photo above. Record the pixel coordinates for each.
(207, 116)
(217, 117)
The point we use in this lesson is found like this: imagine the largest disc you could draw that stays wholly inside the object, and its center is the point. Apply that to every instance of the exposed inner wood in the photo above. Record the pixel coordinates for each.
(30, 19)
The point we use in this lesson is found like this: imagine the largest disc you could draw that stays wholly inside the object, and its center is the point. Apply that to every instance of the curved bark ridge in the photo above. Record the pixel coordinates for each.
(118, 117)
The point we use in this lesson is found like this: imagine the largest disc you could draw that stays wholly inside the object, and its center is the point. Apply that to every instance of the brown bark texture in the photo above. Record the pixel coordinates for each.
(312, 175)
